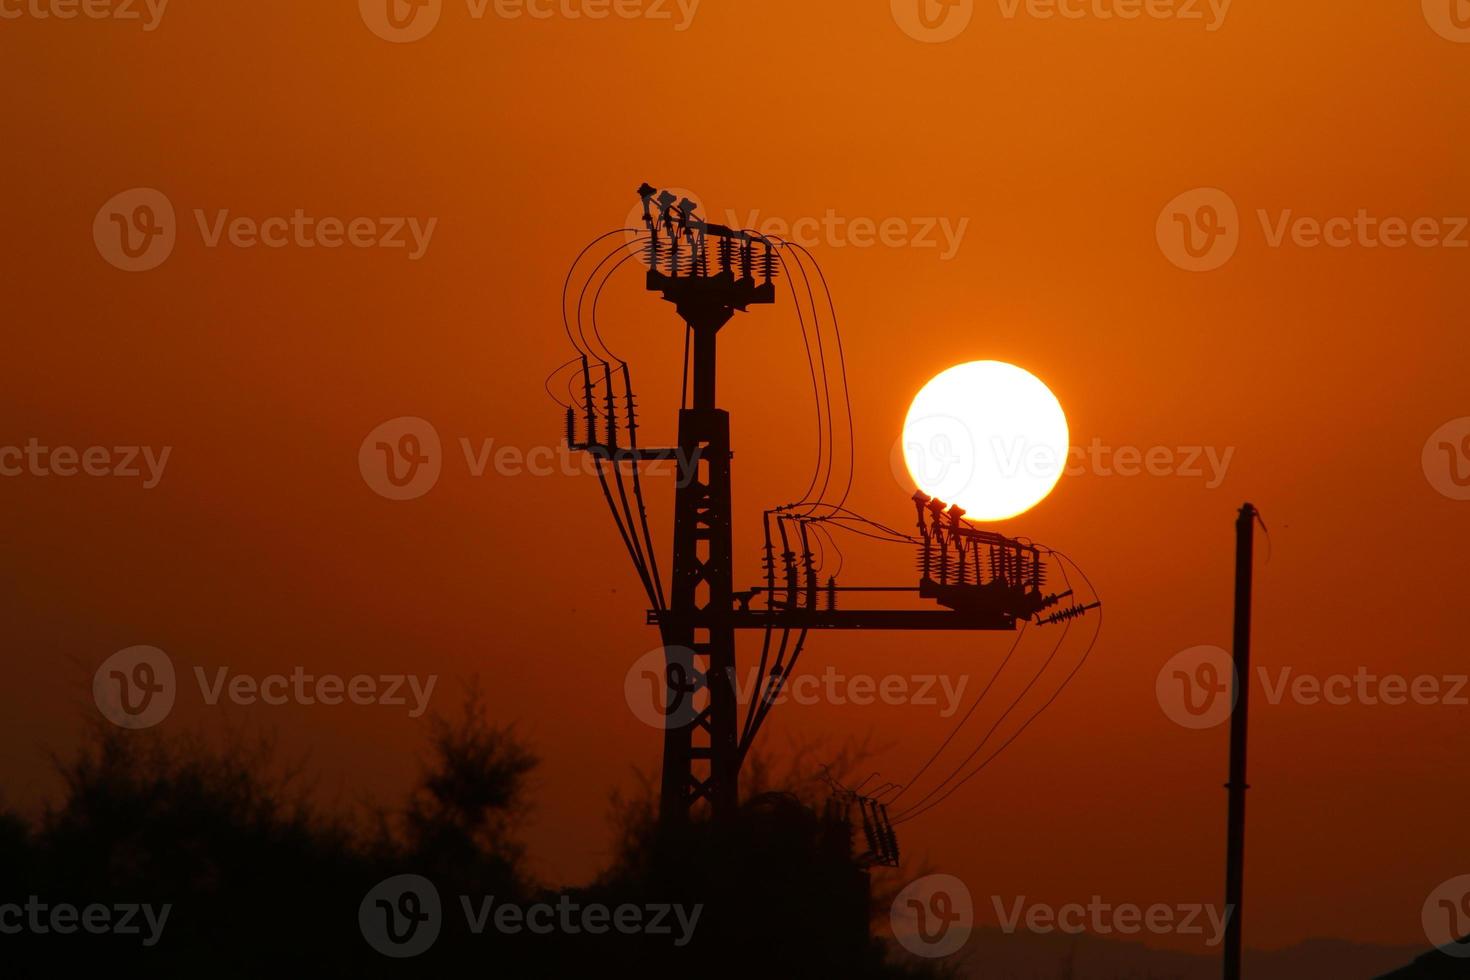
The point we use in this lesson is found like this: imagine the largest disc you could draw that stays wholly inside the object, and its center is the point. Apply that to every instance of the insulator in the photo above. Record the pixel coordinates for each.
(1071, 612)
(571, 427)
(612, 431)
(768, 264)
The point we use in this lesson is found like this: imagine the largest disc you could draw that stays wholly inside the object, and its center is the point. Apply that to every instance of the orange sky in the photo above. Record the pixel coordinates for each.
(1057, 141)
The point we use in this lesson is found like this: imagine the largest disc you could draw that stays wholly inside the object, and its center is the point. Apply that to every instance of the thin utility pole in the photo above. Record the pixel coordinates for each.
(1245, 526)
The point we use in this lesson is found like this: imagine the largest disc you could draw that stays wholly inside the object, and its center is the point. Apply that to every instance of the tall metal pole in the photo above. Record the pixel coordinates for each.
(703, 745)
(701, 754)
(1245, 526)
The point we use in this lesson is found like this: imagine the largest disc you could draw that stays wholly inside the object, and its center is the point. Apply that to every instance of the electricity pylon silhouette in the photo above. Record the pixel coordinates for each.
(986, 581)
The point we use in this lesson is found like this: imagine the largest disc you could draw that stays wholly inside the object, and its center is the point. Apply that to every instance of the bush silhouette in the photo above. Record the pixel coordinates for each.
(258, 880)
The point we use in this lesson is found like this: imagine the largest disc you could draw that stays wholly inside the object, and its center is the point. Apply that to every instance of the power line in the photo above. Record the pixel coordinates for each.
(918, 809)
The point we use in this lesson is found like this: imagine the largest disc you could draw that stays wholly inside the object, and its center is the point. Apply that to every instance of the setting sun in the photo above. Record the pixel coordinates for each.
(988, 436)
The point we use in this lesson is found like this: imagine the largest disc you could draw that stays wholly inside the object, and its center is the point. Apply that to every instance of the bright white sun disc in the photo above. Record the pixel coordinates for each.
(988, 436)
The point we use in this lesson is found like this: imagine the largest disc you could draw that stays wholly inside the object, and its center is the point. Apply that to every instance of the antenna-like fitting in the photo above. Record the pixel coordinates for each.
(686, 215)
(646, 192)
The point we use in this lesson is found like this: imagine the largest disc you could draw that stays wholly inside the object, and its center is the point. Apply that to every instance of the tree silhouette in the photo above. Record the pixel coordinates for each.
(258, 879)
